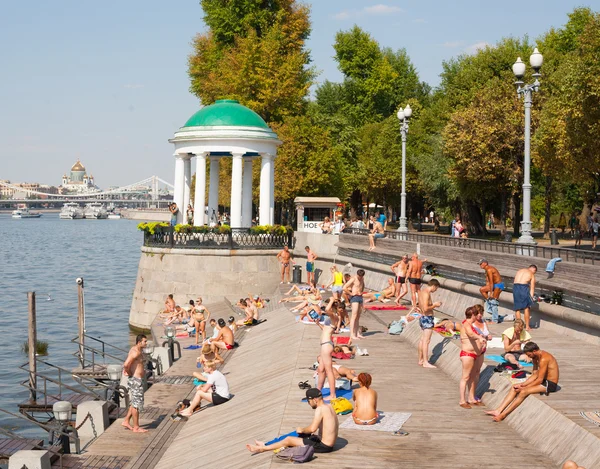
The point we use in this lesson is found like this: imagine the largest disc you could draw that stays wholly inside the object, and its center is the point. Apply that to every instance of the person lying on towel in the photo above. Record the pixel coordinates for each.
(384, 294)
(543, 380)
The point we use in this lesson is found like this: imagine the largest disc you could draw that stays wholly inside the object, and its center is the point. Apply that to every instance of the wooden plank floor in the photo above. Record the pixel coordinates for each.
(263, 377)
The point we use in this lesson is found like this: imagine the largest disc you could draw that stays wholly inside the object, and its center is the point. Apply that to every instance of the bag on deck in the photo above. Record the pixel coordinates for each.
(297, 454)
(341, 405)
(396, 327)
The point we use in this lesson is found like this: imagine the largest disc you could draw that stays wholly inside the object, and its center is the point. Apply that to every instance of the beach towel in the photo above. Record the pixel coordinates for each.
(592, 417)
(521, 297)
(282, 437)
(182, 334)
(192, 347)
(496, 342)
(347, 393)
(385, 307)
(388, 422)
(442, 331)
(341, 356)
(341, 340)
(500, 359)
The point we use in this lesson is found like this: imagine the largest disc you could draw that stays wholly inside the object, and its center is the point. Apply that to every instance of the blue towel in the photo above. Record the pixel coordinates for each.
(192, 347)
(282, 437)
(347, 393)
(500, 359)
(198, 382)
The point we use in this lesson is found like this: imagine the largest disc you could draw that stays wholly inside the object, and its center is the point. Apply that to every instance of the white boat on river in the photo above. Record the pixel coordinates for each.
(95, 211)
(25, 213)
(71, 211)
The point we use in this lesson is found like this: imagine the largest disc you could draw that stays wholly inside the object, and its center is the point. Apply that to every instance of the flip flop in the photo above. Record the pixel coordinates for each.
(478, 403)
(304, 385)
(465, 406)
(400, 433)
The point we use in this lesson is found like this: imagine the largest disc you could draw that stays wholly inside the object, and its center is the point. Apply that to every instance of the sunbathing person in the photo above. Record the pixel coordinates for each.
(514, 338)
(169, 304)
(449, 325)
(216, 328)
(343, 348)
(216, 389)
(232, 324)
(543, 380)
(314, 299)
(325, 422)
(304, 315)
(384, 294)
(337, 312)
(207, 354)
(200, 315)
(341, 371)
(179, 314)
(224, 339)
(365, 402)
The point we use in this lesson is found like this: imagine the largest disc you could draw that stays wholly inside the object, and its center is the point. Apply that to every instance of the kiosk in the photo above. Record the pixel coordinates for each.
(311, 211)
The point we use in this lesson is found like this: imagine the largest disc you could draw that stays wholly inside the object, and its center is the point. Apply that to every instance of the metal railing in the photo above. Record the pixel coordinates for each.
(544, 252)
(236, 238)
(117, 354)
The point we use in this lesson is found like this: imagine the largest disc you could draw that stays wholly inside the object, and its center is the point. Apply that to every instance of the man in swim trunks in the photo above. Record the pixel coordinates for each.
(384, 294)
(492, 288)
(355, 288)
(523, 290)
(413, 273)
(224, 339)
(514, 338)
(400, 268)
(310, 265)
(426, 320)
(285, 258)
(543, 380)
(133, 368)
(376, 233)
(325, 423)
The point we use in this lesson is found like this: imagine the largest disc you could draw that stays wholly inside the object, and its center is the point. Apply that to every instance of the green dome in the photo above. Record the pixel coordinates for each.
(227, 113)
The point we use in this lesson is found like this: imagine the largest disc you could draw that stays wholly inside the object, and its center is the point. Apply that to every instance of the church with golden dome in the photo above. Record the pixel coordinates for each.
(78, 180)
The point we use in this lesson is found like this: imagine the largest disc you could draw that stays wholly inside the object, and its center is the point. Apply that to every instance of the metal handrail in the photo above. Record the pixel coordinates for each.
(94, 351)
(545, 252)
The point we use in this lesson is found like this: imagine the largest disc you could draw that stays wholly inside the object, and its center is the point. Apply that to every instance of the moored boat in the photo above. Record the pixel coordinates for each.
(95, 211)
(25, 213)
(71, 211)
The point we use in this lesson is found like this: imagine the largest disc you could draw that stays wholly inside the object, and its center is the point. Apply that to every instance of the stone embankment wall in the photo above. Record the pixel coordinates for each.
(189, 273)
(146, 214)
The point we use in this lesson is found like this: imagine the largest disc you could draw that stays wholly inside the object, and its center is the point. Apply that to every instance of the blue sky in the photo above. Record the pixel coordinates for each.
(106, 81)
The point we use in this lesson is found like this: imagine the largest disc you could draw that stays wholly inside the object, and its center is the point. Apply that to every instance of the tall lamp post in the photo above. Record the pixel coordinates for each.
(526, 91)
(403, 116)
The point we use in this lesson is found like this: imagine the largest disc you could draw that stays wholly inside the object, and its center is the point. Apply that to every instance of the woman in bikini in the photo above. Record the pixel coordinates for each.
(481, 329)
(326, 363)
(200, 315)
(326, 226)
(472, 346)
(365, 402)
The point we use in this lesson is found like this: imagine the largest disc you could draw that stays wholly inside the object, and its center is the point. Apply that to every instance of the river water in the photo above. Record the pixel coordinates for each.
(46, 255)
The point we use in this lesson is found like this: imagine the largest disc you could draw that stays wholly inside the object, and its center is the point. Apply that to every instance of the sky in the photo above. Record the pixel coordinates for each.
(106, 82)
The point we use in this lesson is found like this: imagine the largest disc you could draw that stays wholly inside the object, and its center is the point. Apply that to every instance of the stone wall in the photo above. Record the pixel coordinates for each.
(189, 273)
(147, 214)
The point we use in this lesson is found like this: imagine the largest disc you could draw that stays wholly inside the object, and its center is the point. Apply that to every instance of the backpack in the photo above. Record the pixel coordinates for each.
(396, 327)
(297, 454)
(341, 405)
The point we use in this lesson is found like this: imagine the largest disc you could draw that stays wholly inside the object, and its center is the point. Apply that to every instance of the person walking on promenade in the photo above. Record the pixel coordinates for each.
(310, 265)
(492, 288)
(400, 268)
(285, 258)
(523, 290)
(426, 321)
(543, 379)
(133, 368)
(355, 288)
(472, 345)
(595, 229)
(413, 274)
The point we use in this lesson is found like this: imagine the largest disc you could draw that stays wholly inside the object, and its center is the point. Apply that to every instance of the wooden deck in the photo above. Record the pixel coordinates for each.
(44, 403)
(9, 446)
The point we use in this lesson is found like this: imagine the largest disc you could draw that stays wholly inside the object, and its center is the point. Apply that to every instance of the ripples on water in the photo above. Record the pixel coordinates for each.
(46, 255)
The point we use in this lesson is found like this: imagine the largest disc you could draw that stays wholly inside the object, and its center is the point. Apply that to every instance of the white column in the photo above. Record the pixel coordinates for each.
(272, 193)
(179, 183)
(236, 191)
(200, 192)
(247, 193)
(213, 194)
(187, 182)
(266, 164)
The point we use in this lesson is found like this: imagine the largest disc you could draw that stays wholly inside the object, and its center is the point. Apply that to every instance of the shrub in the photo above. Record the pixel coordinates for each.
(41, 347)
(151, 227)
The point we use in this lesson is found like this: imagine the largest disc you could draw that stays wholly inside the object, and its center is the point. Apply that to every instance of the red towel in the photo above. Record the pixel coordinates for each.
(385, 307)
(341, 340)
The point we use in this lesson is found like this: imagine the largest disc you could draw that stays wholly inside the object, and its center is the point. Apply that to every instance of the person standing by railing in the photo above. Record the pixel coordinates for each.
(492, 288)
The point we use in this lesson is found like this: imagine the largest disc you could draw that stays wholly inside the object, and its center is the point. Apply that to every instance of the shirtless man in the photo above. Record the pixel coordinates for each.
(224, 339)
(310, 265)
(523, 290)
(384, 294)
(365, 402)
(169, 304)
(513, 339)
(133, 368)
(200, 315)
(492, 288)
(543, 380)
(179, 314)
(413, 273)
(325, 422)
(400, 268)
(285, 257)
(376, 233)
(472, 347)
(355, 288)
(426, 320)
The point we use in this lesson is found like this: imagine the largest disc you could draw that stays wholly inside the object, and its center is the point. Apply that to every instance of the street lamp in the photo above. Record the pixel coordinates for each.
(526, 91)
(403, 116)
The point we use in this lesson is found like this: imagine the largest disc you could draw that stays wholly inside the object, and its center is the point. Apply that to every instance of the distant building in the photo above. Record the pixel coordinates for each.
(78, 181)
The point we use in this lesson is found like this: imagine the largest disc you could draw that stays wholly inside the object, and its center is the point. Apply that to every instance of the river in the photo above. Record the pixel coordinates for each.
(47, 255)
